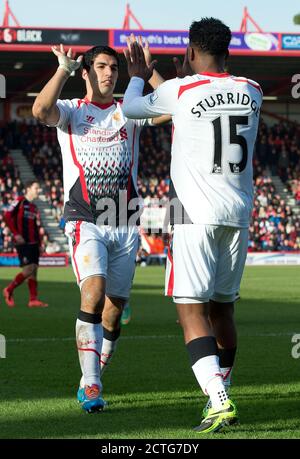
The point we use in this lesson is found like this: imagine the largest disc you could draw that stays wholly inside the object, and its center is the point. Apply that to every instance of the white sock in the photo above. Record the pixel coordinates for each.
(89, 337)
(209, 377)
(217, 393)
(226, 373)
(206, 369)
(108, 348)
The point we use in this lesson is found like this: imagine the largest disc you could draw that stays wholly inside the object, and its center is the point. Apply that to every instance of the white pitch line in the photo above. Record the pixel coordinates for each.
(45, 340)
(135, 337)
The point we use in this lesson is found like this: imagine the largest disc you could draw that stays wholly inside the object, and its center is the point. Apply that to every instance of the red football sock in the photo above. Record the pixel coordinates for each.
(18, 280)
(32, 285)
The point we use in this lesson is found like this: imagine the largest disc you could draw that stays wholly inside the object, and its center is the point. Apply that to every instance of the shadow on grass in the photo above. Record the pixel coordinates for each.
(156, 420)
(41, 370)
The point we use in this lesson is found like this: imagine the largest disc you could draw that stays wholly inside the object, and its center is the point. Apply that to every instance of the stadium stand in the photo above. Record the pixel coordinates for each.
(11, 186)
(276, 224)
(43, 154)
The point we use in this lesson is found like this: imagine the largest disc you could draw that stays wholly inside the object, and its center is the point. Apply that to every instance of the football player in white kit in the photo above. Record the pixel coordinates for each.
(100, 148)
(215, 118)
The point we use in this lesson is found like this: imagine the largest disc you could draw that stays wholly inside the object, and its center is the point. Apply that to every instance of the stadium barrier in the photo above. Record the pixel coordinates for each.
(253, 259)
(273, 258)
(55, 260)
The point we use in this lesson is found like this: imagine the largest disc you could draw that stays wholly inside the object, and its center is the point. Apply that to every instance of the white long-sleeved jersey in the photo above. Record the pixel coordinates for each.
(215, 118)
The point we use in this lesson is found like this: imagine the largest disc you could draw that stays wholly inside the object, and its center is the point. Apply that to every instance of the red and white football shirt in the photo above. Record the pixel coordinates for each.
(215, 118)
(100, 148)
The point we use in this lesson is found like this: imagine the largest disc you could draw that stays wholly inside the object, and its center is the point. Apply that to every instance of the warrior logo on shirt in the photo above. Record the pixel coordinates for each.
(89, 119)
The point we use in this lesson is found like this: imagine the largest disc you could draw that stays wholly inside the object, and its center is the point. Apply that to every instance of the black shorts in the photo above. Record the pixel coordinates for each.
(28, 254)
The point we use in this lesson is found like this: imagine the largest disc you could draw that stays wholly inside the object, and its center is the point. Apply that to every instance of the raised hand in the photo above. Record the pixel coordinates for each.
(146, 49)
(132, 39)
(66, 62)
(182, 69)
(136, 60)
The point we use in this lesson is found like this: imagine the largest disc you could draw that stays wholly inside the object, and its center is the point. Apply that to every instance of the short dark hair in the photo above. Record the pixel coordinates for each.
(90, 55)
(29, 184)
(210, 36)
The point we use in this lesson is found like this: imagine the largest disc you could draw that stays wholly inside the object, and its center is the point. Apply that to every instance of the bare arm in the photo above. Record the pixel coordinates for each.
(155, 80)
(182, 69)
(162, 101)
(159, 120)
(44, 108)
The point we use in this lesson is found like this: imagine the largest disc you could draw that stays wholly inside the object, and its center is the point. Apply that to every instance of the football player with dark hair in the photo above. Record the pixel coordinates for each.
(215, 117)
(22, 219)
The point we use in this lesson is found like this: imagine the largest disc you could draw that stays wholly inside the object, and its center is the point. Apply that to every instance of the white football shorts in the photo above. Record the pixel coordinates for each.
(104, 251)
(205, 262)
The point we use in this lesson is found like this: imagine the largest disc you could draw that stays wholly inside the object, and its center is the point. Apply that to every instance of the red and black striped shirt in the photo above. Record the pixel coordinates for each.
(21, 218)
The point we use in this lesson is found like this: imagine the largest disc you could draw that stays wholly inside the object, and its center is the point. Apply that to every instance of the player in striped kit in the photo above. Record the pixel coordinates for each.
(100, 148)
(21, 218)
(215, 117)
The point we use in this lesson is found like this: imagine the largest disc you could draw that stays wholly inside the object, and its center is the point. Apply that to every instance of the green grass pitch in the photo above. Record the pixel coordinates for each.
(150, 387)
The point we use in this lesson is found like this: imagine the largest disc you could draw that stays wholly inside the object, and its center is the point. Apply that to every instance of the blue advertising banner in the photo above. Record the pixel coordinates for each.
(290, 41)
(167, 39)
(156, 38)
(58, 259)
